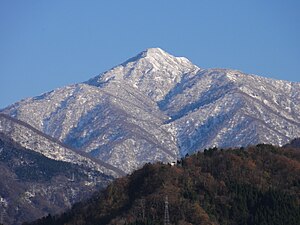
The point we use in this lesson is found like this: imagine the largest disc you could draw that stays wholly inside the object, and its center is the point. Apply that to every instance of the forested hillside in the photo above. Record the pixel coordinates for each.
(258, 185)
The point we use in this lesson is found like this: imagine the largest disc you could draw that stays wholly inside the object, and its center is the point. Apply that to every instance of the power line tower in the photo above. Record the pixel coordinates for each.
(2, 211)
(167, 217)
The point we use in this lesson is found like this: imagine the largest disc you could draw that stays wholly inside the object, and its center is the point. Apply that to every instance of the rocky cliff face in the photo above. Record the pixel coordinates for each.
(157, 107)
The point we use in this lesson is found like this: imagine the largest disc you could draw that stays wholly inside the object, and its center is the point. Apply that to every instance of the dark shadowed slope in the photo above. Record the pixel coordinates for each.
(33, 185)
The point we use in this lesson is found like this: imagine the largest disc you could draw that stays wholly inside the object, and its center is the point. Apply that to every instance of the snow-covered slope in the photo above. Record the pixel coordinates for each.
(227, 108)
(31, 138)
(157, 107)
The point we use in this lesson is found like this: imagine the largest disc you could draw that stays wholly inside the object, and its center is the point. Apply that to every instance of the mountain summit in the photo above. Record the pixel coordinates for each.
(153, 71)
(158, 107)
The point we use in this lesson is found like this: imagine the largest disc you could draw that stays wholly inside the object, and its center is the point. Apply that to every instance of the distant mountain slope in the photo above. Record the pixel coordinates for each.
(158, 107)
(33, 185)
(258, 185)
(31, 138)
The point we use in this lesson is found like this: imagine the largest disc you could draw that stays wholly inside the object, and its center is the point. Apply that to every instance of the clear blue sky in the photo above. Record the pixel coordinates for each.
(49, 44)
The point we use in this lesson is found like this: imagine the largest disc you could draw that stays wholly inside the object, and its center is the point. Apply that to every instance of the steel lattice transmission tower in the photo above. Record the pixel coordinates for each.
(167, 217)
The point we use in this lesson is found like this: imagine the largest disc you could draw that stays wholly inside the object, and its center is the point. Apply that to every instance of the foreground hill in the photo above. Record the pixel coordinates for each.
(258, 185)
(158, 107)
(32, 185)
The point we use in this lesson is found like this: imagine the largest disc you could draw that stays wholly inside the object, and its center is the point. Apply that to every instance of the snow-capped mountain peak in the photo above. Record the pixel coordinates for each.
(153, 71)
(161, 58)
(153, 52)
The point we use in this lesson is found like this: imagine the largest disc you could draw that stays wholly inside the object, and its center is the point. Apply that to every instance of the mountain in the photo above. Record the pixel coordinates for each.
(254, 186)
(158, 107)
(33, 185)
